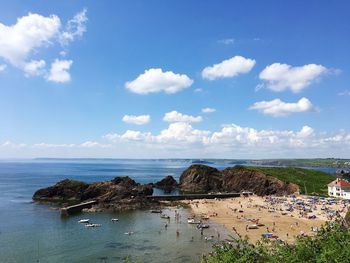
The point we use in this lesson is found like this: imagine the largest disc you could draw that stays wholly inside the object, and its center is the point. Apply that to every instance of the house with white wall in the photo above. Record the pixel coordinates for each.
(339, 188)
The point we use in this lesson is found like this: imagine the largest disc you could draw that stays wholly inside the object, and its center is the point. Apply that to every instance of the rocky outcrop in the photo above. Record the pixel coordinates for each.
(168, 183)
(117, 194)
(239, 178)
(202, 178)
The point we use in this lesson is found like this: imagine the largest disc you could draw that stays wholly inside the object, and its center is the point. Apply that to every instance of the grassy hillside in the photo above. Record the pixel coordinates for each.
(311, 180)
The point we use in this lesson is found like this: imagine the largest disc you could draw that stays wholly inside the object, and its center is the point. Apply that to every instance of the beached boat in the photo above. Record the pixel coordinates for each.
(93, 225)
(192, 221)
(202, 226)
(84, 221)
(253, 226)
(114, 219)
(164, 216)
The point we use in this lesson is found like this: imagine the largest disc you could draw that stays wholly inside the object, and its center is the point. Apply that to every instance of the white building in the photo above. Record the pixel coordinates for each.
(339, 188)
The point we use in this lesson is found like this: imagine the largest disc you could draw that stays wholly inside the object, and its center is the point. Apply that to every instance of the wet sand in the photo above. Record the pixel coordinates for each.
(236, 214)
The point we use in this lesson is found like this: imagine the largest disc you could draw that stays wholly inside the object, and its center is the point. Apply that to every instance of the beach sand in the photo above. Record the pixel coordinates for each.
(285, 225)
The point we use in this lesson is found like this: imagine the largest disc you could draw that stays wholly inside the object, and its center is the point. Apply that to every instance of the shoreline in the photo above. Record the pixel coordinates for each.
(237, 215)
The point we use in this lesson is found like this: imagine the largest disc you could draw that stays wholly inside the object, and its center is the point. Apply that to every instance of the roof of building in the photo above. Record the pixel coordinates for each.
(340, 183)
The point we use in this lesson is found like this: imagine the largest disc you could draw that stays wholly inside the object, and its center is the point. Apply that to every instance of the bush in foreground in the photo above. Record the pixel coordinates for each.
(331, 244)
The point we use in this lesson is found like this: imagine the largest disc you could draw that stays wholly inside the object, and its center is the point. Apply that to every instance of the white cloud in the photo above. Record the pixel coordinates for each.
(227, 41)
(208, 110)
(279, 108)
(175, 116)
(59, 71)
(32, 33)
(34, 68)
(139, 120)
(75, 27)
(29, 33)
(181, 140)
(228, 68)
(281, 77)
(198, 90)
(343, 93)
(3, 67)
(155, 80)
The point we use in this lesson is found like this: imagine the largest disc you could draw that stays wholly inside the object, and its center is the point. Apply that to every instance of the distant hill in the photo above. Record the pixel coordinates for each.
(318, 162)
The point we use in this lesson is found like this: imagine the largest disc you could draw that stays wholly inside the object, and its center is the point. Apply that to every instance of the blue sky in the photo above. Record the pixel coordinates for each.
(131, 79)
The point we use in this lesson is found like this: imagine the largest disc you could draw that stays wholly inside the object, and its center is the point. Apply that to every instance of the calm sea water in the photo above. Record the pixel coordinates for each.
(36, 233)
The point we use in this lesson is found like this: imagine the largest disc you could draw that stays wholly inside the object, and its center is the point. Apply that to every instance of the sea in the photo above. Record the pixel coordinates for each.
(31, 232)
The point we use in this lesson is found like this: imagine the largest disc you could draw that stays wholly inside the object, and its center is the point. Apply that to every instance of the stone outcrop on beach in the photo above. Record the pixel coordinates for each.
(239, 178)
(118, 194)
(199, 178)
(168, 183)
(202, 178)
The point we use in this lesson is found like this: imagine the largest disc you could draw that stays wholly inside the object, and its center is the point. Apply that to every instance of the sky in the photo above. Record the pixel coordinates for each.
(174, 79)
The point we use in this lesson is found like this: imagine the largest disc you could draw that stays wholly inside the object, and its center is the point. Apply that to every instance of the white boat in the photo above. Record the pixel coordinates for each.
(93, 225)
(192, 221)
(114, 219)
(84, 221)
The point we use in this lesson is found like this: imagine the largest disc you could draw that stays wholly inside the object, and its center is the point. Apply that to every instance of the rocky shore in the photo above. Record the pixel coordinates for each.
(123, 193)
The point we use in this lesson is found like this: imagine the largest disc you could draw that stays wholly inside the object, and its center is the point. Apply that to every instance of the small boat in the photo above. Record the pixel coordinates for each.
(192, 221)
(253, 227)
(204, 217)
(267, 235)
(156, 211)
(93, 225)
(129, 233)
(202, 226)
(114, 219)
(84, 221)
(164, 216)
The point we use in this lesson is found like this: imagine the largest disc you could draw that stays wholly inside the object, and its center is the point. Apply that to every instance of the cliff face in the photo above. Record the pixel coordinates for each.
(202, 178)
(120, 189)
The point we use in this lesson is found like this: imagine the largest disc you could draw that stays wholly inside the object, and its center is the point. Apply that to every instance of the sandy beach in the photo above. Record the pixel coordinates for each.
(283, 217)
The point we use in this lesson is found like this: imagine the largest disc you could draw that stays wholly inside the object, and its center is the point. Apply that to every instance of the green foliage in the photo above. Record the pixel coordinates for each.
(331, 244)
(311, 180)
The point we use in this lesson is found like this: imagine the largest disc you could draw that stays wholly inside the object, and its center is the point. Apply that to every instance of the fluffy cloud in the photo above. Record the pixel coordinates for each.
(279, 108)
(182, 140)
(155, 80)
(74, 28)
(33, 32)
(34, 68)
(175, 116)
(208, 110)
(29, 33)
(59, 71)
(228, 68)
(281, 77)
(139, 120)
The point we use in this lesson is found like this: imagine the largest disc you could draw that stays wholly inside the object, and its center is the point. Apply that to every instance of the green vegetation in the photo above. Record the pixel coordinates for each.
(331, 244)
(314, 182)
(327, 162)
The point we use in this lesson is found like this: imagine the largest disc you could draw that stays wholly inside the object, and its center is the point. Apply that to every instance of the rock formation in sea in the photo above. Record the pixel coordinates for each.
(121, 193)
(202, 179)
(168, 183)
